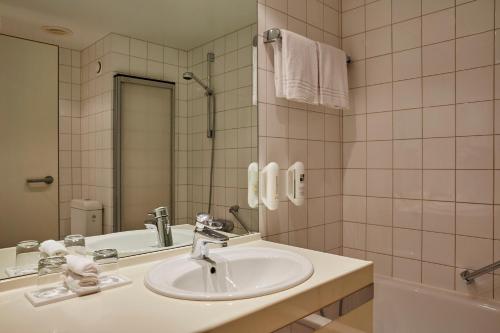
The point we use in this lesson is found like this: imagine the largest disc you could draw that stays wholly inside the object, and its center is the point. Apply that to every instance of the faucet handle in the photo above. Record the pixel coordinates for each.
(160, 212)
(205, 220)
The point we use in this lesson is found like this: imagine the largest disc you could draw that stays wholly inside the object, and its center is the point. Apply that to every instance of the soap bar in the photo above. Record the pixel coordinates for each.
(59, 292)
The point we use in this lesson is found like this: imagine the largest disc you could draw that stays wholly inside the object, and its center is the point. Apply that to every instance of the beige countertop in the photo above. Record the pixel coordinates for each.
(134, 308)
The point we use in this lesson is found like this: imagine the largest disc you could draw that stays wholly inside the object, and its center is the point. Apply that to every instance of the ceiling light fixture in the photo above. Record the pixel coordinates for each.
(56, 30)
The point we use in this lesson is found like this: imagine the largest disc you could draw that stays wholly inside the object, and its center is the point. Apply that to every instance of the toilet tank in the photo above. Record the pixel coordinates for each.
(86, 217)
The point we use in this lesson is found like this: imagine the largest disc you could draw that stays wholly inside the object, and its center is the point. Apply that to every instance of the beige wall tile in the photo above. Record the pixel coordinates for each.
(474, 220)
(438, 275)
(438, 27)
(379, 154)
(439, 153)
(475, 85)
(407, 269)
(407, 94)
(407, 243)
(407, 64)
(438, 58)
(379, 98)
(475, 17)
(407, 213)
(378, 14)
(379, 211)
(378, 42)
(379, 126)
(407, 35)
(475, 152)
(407, 184)
(379, 70)
(473, 252)
(407, 154)
(438, 248)
(475, 51)
(379, 239)
(405, 9)
(379, 182)
(429, 6)
(475, 118)
(439, 121)
(438, 216)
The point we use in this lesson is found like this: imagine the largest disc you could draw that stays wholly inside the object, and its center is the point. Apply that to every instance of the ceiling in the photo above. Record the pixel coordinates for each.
(182, 24)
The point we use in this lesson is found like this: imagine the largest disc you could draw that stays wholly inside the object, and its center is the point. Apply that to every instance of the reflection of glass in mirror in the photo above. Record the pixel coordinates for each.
(108, 257)
(75, 244)
(27, 252)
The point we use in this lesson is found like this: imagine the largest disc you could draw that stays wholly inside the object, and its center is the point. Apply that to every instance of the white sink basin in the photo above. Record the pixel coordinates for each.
(136, 241)
(240, 272)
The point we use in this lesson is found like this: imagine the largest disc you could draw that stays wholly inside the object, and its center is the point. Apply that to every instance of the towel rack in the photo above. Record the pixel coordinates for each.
(274, 34)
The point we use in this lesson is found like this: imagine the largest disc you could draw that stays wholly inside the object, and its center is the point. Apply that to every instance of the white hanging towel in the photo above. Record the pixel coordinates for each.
(333, 85)
(296, 68)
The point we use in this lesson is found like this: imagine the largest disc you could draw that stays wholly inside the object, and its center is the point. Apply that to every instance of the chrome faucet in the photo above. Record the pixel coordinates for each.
(205, 234)
(163, 226)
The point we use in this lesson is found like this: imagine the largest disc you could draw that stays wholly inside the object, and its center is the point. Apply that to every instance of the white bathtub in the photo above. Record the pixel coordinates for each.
(404, 307)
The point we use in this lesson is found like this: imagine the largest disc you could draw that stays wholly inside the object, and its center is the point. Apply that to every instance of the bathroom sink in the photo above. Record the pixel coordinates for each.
(240, 272)
(135, 241)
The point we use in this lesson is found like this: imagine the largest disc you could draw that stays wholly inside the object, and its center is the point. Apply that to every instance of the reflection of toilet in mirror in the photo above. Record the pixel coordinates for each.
(86, 217)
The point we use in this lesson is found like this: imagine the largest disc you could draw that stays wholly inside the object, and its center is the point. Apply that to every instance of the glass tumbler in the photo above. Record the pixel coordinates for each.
(27, 253)
(75, 244)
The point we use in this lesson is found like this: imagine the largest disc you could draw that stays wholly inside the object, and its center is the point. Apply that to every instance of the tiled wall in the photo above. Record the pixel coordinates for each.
(125, 55)
(290, 132)
(419, 143)
(235, 124)
(69, 134)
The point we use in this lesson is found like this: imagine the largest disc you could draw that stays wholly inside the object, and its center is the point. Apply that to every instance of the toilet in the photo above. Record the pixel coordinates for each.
(86, 217)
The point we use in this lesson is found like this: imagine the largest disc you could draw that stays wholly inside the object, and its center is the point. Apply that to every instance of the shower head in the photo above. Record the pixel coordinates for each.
(190, 76)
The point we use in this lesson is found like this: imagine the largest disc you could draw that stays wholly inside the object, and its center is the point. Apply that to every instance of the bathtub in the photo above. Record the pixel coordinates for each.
(405, 307)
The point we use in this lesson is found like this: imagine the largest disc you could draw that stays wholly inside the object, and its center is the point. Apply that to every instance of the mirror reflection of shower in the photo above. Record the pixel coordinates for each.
(209, 93)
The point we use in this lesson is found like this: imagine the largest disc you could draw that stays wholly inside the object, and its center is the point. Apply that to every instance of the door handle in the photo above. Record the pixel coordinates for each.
(47, 180)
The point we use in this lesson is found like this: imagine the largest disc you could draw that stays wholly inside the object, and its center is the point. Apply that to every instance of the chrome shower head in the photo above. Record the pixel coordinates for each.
(190, 76)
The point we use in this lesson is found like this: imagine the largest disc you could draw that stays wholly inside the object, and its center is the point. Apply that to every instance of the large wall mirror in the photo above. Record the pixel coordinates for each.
(110, 110)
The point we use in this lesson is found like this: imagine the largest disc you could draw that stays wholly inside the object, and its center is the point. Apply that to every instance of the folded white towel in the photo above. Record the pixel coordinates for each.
(82, 285)
(52, 248)
(333, 85)
(81, 265)
(296, 68)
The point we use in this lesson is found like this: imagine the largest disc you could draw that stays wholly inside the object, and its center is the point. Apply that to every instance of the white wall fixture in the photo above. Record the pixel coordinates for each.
(295, 183)
(253, 185)
(269, 185)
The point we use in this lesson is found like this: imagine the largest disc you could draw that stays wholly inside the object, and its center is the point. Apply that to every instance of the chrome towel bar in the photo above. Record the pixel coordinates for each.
(469, 276)
(274, 34)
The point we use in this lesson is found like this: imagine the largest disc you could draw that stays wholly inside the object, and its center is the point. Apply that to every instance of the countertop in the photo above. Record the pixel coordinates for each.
(134, 308)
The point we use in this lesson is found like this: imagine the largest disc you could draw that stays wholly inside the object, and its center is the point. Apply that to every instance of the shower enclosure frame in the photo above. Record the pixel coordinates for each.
(118, 79)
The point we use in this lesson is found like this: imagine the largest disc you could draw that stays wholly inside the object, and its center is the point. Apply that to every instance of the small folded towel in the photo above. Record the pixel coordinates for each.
(81, 265)
(52, 248)
(82, 285)
(333, 85)
(296, 68)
